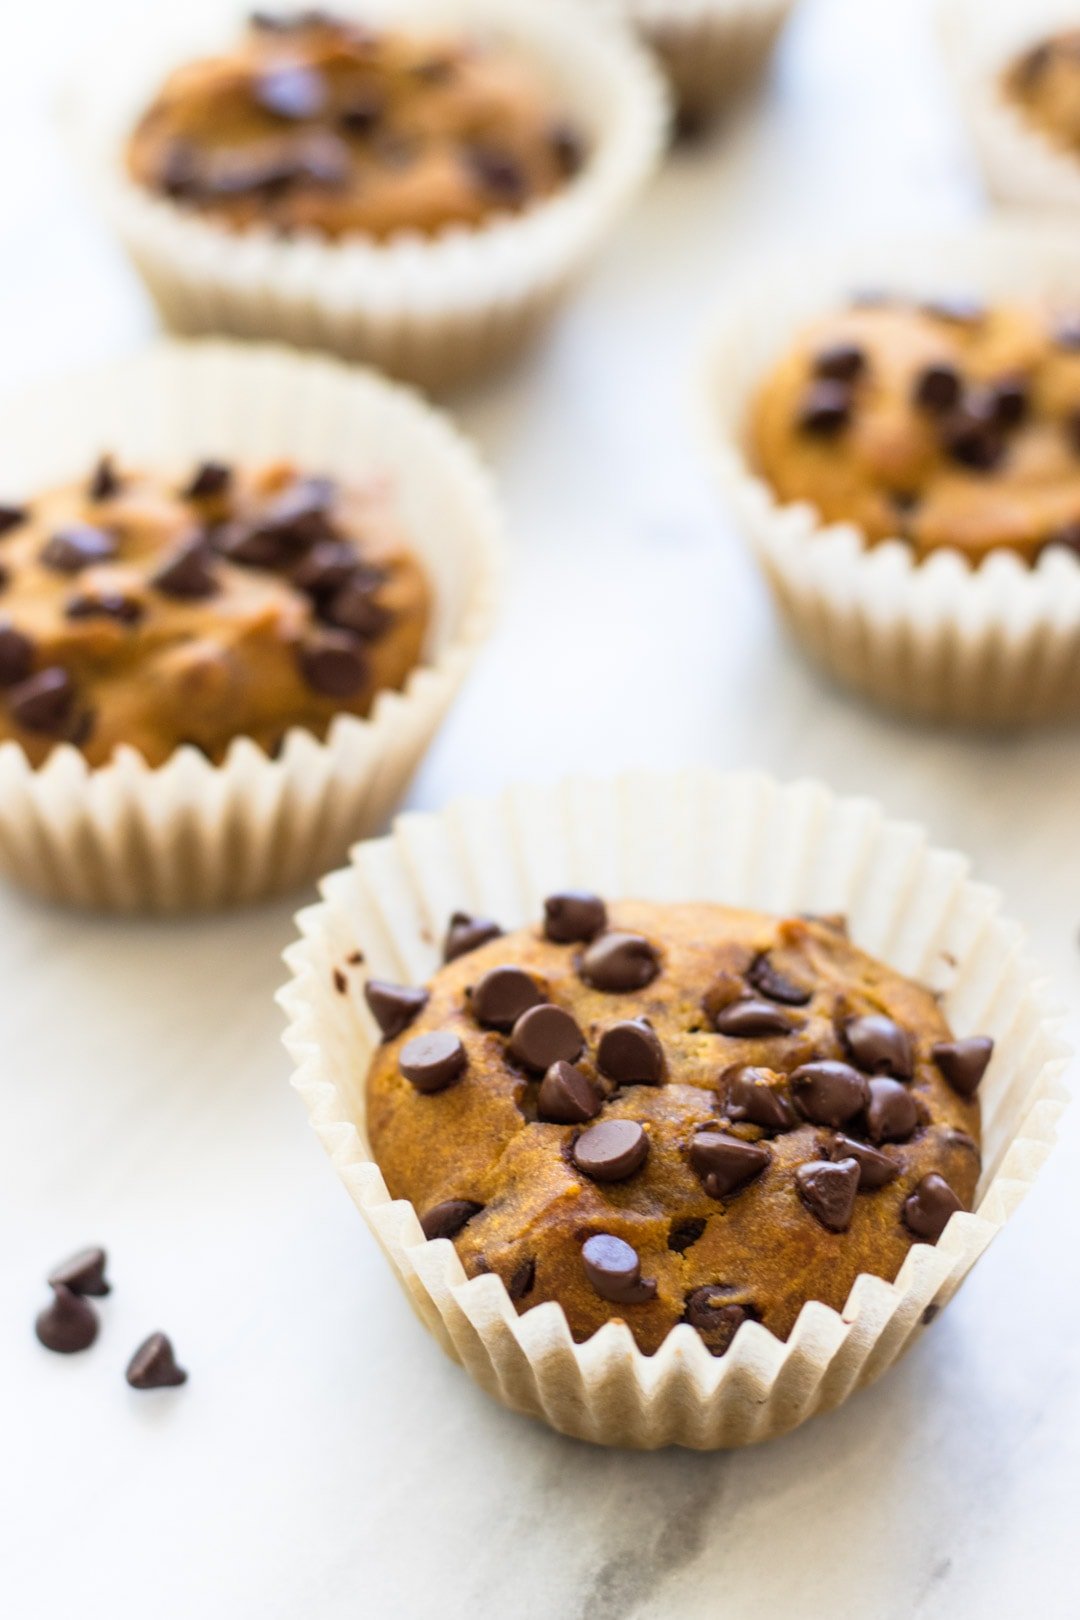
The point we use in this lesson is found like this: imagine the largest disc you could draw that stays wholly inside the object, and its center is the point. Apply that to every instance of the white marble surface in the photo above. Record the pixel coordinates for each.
(325, 1461)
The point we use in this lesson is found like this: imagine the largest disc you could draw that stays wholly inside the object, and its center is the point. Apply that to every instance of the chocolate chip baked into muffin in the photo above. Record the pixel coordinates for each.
(319, 123)
(232, 602)
(672, 1113)
(950, 424)
(1044, 86)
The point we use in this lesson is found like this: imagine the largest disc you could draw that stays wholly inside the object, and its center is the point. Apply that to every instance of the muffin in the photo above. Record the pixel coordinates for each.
(146, 611)
(673, 1113)
(569, 1139)
(418, 190)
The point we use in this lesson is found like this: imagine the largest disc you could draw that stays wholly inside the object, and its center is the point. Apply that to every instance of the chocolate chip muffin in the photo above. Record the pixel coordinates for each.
(320, 124)
(948, 424)
(232, 602)
(1044, 86)
(672, 1113)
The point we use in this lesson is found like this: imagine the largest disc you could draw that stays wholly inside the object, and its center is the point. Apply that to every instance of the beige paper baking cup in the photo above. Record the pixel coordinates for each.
(742, 840)
(434, 311)
(190, 834)
(994, 645)
(712, 50)
(982, 38)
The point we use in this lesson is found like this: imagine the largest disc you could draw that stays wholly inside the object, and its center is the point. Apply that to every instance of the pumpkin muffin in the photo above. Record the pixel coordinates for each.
(672, 1113)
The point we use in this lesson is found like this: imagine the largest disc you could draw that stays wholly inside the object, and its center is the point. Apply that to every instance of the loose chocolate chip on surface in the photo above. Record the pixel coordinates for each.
(715, 1317)
(210, 478)
(828, 1092)
(16, 654)
(611, 1151)
(937, 388)
(104, 483)
(753, 1096)
(393, 1006)
(293, 91)
(614, 1270)
(875, 1169)
(964, 1062)
(105, 605)
(434, 1061)
(724, 1164)
(43, 702)
(11, 517)
(630, 1053)
(878, 1045)
(826, 409)
(333, 663)
(466, 933)
(928, 1209)
(619, 962)
(154, 1366)
(749, 1018)
(892, 1112)
(567, 1096)
(769, 981)
(544, 1035)
(841, 362)
(188, 574)
(573, 916)
(684, 1234)
(828, 1190)
(500, 997)
(83, 1273)
(499, 173)
(522, 1280)
(446, 1220)
(69, 1324)
(77, 546)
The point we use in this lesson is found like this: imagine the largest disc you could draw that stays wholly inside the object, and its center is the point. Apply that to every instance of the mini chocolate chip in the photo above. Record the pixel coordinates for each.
(892, 1113)
(684, 1234)
(611, 1151)
(434, 1061)
(326, 568)
(878, 1045)
(937, 388)
(614, 1270)
(154, 1366)
(724, 1164)
(828, 1093)
(354, 608)
(341, 983)
(210, 478)
(630, 1053)
(1009, 401)
(362, 113)
(753, 1096)
(567, 148)
(77, 546)
(712, 1314)
(875, 1169)
(292, 90)
(16, 654)
(11, 517)
(768, 980)
(499, 173)
(69, 1324)
(840, 362)
(544, 1035)
(104, 483)
(500, 997)
(393, 1006)
(446, 1220)
(522, 1280)
(43, 702)
(619, 962)
(105, 605)
(567, 1096)
(749, 1017)
(928, 1209)
(828, 1191)
(188, 573)
(826, 409)
(573, 916)
(964, 1062)
(83, 1273)
(467, 933)
(973, 442)
(958, 310)
(333, 664)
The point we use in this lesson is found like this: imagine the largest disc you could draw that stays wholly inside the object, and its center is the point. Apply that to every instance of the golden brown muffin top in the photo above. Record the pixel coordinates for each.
(231, 602)
(321, 124)
(672, 1113)
(947, 424)
(1044, 83)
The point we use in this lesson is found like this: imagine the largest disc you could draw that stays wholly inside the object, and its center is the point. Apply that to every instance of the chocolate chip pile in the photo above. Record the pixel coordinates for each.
(232, 602)
(948, 423)
(69, 1323)
(323, 124)
(686, 1112)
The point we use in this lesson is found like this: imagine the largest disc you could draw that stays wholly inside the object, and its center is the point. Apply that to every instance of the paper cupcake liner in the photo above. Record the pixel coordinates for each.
(982, 38)
(998, 644)
(712, 50)
(190, 834)
(434, 311)
(738, 839)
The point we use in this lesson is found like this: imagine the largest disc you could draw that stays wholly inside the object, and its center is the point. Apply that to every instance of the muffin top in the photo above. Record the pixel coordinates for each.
(144, 610)
(672, 1113)
(1044, 84)
(320, 124)
(945, 424)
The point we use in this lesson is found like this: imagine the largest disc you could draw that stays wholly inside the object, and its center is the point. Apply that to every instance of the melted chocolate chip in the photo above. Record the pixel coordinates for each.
(83, 1273)
(749, 1018)
(840, 362)
(724, 1164)
(828, 1092)
(618, 962)
(875, 1169)
(210, 479)
(333, 664)
(154, 1366)
(878, 1045)
(503, 994)
(892, 1113)
(928, 1210)
(544, 1035)
(77, 546)
(68, 1325)
(614, 1150)
(826, 409)
(573, 916)
(567, 1096)
(104, 483)
(938, 388)
(770, 982)
(292, 91)
(522, 1280)
(188, 574)
(712, 1314)
(16, 654)
(630, 1053)
(393, 1006)
(614, 1270)
(754, 1097)
(434, 1061)
(964, 1062)
(446, 1220)
(44, 702)
(466, 934)
(828, 1190)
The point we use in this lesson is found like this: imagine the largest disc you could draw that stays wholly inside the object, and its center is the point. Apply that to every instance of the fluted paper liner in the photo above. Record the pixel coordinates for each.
(711, 50)
(997, 644)
(436, 311)
(741, 840)
(190, 834)
(982, 38)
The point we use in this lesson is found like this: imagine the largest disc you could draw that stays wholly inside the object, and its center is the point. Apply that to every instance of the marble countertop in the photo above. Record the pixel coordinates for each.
(325, 1461)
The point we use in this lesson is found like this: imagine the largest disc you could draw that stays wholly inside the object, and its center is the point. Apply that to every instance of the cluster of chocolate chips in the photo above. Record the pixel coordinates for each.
(69, 1323)
(863, 1103)
(328, 119)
